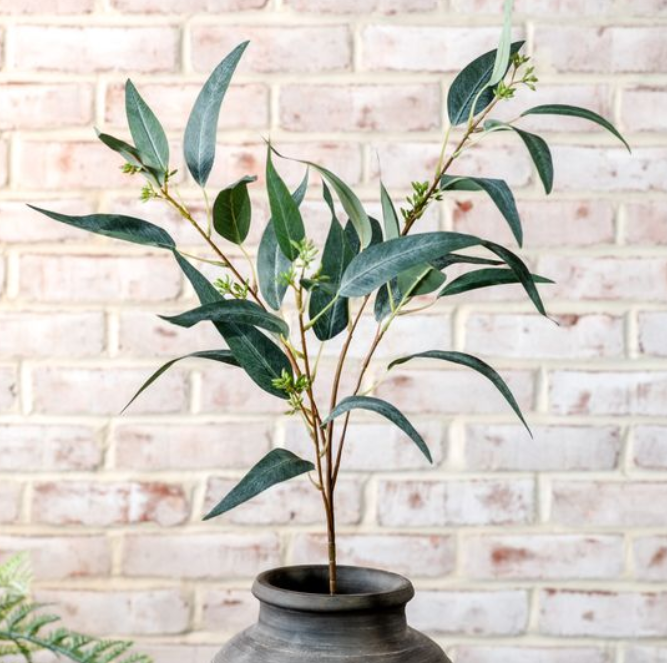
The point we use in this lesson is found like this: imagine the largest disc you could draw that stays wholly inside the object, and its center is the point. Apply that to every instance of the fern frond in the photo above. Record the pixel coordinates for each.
(16, 575)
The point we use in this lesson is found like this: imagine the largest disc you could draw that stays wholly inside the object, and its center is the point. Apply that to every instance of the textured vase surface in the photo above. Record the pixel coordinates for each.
(299, 621)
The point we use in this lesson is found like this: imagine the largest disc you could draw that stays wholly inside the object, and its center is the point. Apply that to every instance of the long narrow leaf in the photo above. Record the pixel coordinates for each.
(502, 61)
(387, 410)
(389, 215)
(277, 466)
(485, 278)
(477, 365)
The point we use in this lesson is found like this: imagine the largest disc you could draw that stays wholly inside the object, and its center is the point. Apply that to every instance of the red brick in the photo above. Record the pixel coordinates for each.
(290, 503)
(608, 504)
(96, 504)
(554, 223)
(19, 224)
(651, 558)
(485, 654)
(94, 49)
(221, 555)
(317, 108)
(53, 7)
(8, 389)
(10, 501)
(543, 556)
(423, 48)
(364, 441)
(603, 614)
(362, 6)
(553, 448)
(443, 503)
(616, 49)
(454, 392)
(143, 334)
(650, 446)
(98, 278)
(125, 612)
(106, 391)
(470, 613)
(646, 223)
(530, 336)
(228, 611)
(652, 337)
(33, 448)
(246, 106)
(175, 6)
(274, 49)
(68, 334)
(608, 393)
(414, 555)
(62, 557)
(609, 168)
(228, 445)
(638, 109)
(610, 278)
(403, 162)
(38, 106)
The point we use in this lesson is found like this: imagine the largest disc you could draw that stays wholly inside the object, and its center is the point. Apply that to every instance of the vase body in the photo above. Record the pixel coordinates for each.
(299, 622)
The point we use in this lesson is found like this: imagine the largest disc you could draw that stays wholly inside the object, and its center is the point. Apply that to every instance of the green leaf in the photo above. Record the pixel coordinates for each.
(455, 259)
(348, 199)
(420, 280)
(537, 148)
(200, 132)
(576, 111)
(485, 278)
(272, 262)
(502, 61)
(116, 226)
(389, 215)
(147, 132)
(131, 156)
(382, 307)
(497, 190)
(385, 409)
(380, 263)
(223, 356)
(473, 83)
(238, 311)
(285, 214)
(259, 357)
(477, 365)
(336, 256)
(277, 466)
(232, 211)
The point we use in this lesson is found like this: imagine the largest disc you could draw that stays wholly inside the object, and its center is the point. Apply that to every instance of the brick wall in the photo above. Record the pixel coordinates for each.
(549, 550)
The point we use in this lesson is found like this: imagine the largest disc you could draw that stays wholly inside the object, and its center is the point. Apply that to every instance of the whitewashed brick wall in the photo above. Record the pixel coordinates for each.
(549, 550)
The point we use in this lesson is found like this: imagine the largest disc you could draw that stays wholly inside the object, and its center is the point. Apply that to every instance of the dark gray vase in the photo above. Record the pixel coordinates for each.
(300, 622)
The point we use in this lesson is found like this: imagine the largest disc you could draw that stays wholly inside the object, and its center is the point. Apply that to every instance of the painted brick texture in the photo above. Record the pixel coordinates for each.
(551, 549)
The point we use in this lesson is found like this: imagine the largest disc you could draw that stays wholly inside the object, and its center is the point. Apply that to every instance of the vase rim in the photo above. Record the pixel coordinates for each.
(304, 588)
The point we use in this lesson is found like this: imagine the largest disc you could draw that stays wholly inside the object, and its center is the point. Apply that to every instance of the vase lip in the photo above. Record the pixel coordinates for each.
(305, 588)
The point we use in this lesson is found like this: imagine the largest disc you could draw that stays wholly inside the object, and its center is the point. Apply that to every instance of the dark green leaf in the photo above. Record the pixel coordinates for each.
(336, 256)
(385, 409)
(147, 132)
(420, 280)
(238, 311)
(201, 130)
(499, 193)
(380, 263)
(348, 199)
(116, 226)
(477, 365)
(259, 357)
(285, 214)
(575, 111)
(537, 148)
(223, 356)
(455, 259)
(272, 262)
(485, 278)
(353, 238)
(277, 466)
(131, 156)
(389, 215)
(473, 83)
(232, 211)
(382, 308)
